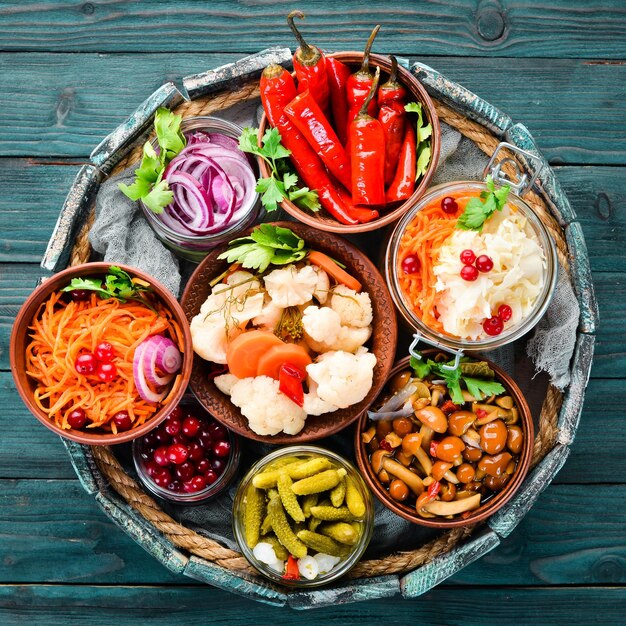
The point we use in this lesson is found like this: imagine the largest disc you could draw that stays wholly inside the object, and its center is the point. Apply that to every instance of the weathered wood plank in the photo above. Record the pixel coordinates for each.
(69, 102)
(529, 29)
(446, 606)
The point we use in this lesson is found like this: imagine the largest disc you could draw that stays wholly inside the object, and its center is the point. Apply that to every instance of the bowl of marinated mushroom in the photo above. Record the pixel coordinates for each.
(445, 446)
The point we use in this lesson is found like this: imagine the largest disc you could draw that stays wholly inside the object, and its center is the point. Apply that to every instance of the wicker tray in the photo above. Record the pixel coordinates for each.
(409, 573)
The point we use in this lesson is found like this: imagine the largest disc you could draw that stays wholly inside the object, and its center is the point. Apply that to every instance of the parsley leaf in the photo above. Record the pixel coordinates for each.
(480, 384)
(282, 183)
(481, 388)
(479, 210)
(148, 185)
(117, 284)
(266, 244)
(424, 132)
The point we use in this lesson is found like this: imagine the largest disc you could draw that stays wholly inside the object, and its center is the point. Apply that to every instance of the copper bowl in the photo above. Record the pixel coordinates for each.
(20, 339)
(324, 221)
(489, 507)
(382, 342)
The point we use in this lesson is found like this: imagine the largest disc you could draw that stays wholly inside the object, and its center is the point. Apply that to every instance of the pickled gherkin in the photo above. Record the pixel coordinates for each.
(281, 552)
(282, 529)
(323, 481)
(354, 499)
(253, 515)
(266, 526)
(332, 514)
(322, 543)
(308, 501)
(338, 493)
(288, 498)
(341, 532)
(296, 470)
(314, 522)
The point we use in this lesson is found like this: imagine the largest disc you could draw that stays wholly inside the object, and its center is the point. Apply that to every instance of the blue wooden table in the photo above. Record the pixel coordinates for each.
(71, 71)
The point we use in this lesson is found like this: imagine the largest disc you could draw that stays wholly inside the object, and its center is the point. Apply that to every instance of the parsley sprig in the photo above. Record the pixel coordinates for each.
(117, 284)
(149, 185)
(477, 377)
(479, 210)
(424, 132)
(282, 184)
(266, 244)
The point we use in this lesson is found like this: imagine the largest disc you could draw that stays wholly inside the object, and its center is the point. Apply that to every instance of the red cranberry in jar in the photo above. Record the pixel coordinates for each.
(218, 465)
(210, 477)
(191, 426)
(163, 478)
(152, 468)
(162, 436)
(221, 449)
(185, 471)
(196, 451)
(177, 453)
(176, 486)
(217, 430)
(161, 456)
(173, 425)
(203, 466)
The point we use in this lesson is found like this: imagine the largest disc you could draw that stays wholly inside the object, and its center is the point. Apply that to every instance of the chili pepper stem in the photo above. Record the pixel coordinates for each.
(307, 53)
(370, 95)
(365, 65)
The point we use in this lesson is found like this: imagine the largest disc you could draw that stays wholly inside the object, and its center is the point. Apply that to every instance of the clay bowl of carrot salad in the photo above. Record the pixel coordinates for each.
(362, 132)
(293, 333)
(100, 353)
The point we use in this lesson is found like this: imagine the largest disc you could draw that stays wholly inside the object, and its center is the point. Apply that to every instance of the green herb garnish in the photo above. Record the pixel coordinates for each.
(117, 284)
(266, 244)
(479, 210)
(149, 185)
(282, 184)
(424, 131)
(480, 384)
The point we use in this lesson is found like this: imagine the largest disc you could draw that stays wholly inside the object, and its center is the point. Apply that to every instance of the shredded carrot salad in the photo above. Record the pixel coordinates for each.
(62, 330)
(424, 236)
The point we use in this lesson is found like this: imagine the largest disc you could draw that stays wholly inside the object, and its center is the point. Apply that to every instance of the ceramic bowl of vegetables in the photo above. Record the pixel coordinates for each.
(195, 187)
(361, 131)
(292, 333)
(443, 447)
(101, 353)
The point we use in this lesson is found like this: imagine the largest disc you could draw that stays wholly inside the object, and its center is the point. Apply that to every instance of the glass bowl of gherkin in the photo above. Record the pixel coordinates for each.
(303, 516)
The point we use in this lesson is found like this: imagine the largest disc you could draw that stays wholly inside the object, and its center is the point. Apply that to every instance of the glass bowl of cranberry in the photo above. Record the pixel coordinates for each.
(189, 458)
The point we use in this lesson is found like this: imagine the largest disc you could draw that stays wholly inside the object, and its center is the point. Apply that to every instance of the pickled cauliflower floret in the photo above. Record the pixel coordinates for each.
(289, 286)
(354, 309)
(269, 317)
(210, 338)
(324, 332)
(268, 411)
(224, 315)
(313, 404)
(342, 378)
(226, 382)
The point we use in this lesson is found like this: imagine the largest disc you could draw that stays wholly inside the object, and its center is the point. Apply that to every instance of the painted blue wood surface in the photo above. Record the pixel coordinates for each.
(68, 102)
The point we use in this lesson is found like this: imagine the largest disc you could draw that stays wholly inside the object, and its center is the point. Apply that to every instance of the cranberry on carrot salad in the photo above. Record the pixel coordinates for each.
(348, 140)
(471, 266)
(104, 353)
(291, 326)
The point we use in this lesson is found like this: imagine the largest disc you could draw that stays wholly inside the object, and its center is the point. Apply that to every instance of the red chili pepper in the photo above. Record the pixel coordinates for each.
(291, 569)
(403, 184)
(360, 83)
(433, 448)
(310, 120)
(368, 156)
(385, 445)
(309, 64)
(361, 214)
(338, 75)
(290, 383)
(433, 489)
(392, 116)
(449, 407)
(277, 90)
(480, 413)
